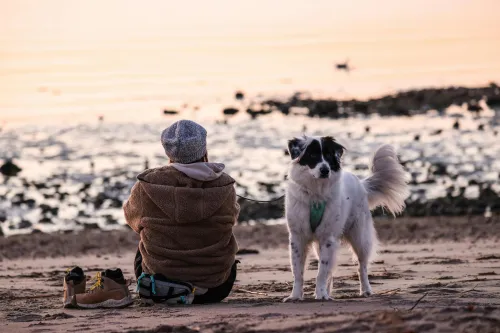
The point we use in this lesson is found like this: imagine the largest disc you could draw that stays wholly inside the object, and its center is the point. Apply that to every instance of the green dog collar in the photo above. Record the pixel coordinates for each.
(317, 210)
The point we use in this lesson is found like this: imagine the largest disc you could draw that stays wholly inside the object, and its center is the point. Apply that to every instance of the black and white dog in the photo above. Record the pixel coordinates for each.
(325, 205)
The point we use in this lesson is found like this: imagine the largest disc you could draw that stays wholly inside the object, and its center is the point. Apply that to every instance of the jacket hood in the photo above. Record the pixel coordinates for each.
(201, 171)
(185, 199)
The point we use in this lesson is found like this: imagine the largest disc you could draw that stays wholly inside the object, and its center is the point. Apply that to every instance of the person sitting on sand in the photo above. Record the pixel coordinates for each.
(184, 213)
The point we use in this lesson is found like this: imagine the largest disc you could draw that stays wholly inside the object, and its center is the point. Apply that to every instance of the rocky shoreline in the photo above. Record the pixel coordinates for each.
(404, 103)
(77, 178)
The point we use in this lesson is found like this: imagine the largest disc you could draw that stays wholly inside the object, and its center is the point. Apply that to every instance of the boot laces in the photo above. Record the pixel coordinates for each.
(98, 282)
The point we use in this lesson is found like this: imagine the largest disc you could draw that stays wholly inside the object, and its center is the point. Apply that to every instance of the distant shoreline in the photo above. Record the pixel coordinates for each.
(403, 102)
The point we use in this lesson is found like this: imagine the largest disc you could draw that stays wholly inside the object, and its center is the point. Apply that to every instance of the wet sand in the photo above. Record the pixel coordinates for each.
(449, 283)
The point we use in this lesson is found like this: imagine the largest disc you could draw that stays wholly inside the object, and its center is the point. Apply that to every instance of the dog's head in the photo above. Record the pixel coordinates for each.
(319, 156)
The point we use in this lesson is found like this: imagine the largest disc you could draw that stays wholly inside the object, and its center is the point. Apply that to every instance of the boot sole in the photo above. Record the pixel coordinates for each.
(110, 303)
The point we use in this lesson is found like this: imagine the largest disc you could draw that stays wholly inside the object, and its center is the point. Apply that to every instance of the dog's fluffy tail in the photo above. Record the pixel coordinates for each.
(387, 186)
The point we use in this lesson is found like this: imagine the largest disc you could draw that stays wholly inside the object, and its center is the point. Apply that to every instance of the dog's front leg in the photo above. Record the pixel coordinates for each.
(298, 254)
(327, 252)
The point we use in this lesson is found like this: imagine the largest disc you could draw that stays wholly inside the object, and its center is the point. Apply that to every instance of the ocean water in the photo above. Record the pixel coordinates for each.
(77, 177)
(64, 63)
(66, 59)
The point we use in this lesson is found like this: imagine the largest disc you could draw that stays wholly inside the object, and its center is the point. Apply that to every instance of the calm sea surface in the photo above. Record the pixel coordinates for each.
(64, 57)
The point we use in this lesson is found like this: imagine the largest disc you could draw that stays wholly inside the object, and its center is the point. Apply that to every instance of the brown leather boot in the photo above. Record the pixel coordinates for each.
(74, 283)
(110, 290)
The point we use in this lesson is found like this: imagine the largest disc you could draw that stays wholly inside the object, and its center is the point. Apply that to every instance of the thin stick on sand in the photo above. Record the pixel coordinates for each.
(389, 291)
(466, 291)
(421, 298)
(249, 292)
(36, 296)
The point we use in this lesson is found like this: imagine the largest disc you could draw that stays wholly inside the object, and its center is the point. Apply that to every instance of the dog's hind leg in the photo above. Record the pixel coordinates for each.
(298, 254)
(363, 238)
(327, 256)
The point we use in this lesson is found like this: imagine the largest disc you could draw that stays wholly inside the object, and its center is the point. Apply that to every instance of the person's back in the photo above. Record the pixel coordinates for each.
(184, 213)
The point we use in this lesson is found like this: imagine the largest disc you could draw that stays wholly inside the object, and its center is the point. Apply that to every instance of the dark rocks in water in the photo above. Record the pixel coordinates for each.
(268, 187)
(45, 220)
(84, 187)
(456, 125)
(250, 210)
(438, 169)
(436, 132)
(454, 205)
(115, 203)
(254, 113)
(110, 220)
(487, 194)
(239, 95)
(62, 195)
(99, 200)
(367, 129)
(494, 102)
(30, 203)
(343, 66)
(24, 224)
(416, 137)
(473, 106)
(170, 112)
(277, 105)
(230, 111)
(3, 216)
(495, 133)
(101, 118)
(361, 107)
(404, 103)
(10, 169)
(323, 108)
(39, 186)
(82, 213)
(480, 127)
(90, 226)
(286, 152)
(473, 182)
(48, 209)
(19, 199)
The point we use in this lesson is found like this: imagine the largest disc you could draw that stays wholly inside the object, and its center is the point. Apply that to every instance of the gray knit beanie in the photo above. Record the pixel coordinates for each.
(184, 141)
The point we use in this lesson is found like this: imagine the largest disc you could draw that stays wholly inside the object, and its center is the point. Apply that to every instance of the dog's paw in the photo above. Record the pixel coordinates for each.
(322, 296)
(366, 293)
(293, 298)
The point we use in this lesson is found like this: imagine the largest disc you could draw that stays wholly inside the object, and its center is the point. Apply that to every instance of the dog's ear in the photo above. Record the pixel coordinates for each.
(337, 148)
(295, 147)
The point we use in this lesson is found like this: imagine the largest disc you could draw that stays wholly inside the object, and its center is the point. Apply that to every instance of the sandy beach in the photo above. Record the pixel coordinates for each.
(444, 283)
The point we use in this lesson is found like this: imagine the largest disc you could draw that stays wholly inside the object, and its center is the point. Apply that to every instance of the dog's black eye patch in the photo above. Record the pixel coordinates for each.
(332, 151)
(312, 156)
(295, 147)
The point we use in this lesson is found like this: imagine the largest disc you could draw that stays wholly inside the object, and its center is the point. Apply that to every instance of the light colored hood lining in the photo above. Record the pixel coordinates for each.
(202, 171)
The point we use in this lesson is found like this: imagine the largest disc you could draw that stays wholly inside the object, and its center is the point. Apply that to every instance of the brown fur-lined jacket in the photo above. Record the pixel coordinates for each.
(185, 224)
